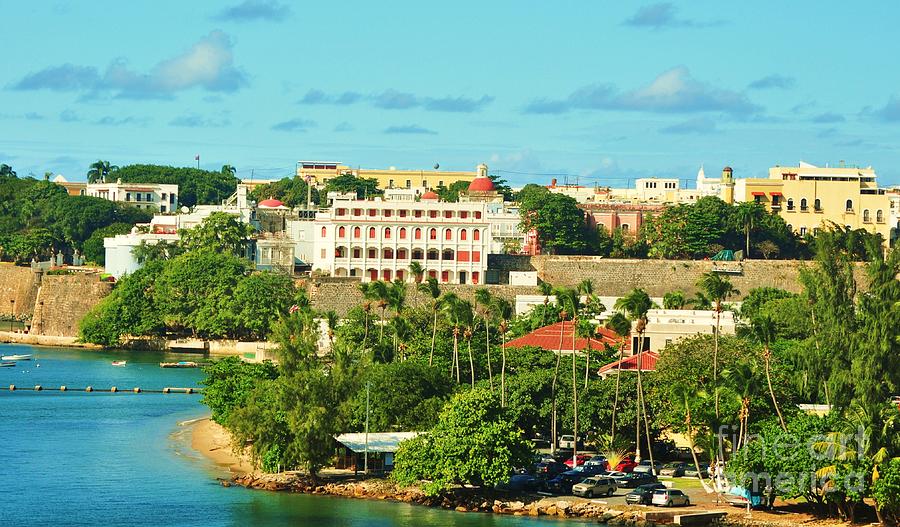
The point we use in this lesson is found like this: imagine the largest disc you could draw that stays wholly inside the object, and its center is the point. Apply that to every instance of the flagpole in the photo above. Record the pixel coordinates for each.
(197, 157)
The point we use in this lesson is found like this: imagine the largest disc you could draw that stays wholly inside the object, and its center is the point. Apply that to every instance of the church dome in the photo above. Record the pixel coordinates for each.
(271, 203)
(430, 195)
(481, 184)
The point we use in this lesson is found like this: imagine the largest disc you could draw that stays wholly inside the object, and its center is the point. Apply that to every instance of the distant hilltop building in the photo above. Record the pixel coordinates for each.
(150, 196)
(390, 178)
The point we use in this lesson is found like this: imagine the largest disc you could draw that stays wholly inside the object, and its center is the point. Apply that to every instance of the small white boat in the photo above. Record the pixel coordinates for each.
(119, 362)
(7, 364)
(16, 357)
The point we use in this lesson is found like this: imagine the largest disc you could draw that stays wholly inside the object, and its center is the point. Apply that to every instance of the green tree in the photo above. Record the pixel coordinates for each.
(473, 443)
(451, 194)
(431, 288)
(219, 232)
(229, 382)
(93, 246)
(292, 191)
(483, 305)
(674, 300)
(765, 331)
(99, 171)
(747, 215)
(363, 187)
(559, 223)
(195, 186)
(718, 289)
(6, 170)
(259, 300)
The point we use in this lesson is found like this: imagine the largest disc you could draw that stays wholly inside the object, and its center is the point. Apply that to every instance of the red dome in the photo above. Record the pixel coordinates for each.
(481, 184)
(270, 203)
(430, 195)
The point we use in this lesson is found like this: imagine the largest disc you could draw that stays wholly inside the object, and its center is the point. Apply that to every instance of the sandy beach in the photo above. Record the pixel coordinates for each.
(213, 441)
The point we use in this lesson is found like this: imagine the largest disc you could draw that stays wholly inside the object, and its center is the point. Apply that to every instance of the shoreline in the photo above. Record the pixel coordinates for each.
(212, 441)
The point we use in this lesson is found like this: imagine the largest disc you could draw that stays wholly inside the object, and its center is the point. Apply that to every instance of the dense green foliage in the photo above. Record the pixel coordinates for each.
(38, 218)
(229, 382)
(363, 187)
(292, 191)
(559, 223)
(93, 246)
(195, 186)
(473, 443)
(219, 232)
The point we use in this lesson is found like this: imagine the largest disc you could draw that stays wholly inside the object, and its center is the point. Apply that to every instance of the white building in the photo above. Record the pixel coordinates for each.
(665, 326)
(150, 196)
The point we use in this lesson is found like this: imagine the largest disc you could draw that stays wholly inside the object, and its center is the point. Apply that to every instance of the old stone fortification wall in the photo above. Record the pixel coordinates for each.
(18, 290)
(63, 300)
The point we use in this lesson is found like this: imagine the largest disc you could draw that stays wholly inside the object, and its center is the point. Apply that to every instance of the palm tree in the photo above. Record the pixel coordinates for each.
(483, 298)
(699, 302)
(622, 326)
(99, 170)
(417, 272)
(546, 290)
(586, 329)
(572, 303)
(636, 304)
(718, 289)
(431, 287)
(6, 170)
(563, 315)
(332, 320)
(743, 380)
(766, 331)
(504, 311)
(674, 300)
(229, 170)
(747, 214)
(450, 308)
(378, 291)
(686, 396)
(396, 298)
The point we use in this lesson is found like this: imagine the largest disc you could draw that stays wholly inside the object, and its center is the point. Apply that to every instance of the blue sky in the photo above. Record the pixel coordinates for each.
(599, 91)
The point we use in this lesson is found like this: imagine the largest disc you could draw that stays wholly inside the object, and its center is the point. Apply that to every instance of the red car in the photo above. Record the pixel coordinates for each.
(626, 465)
(582, 458)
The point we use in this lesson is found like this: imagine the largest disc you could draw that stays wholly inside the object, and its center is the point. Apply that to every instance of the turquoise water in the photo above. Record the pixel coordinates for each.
(122, 459)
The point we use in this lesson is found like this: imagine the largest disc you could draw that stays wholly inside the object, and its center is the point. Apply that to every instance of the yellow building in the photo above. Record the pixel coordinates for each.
(322, 171)
(810, 197)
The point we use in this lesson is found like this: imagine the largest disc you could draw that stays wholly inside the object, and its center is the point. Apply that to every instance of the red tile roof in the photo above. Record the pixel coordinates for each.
(647, 362)
(547, 338)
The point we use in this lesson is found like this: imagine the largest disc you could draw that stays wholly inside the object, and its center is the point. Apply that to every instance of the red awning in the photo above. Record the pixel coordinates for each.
(776, 193)
(758, 193)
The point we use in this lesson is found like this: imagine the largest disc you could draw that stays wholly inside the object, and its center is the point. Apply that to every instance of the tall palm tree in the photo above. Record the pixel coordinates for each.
(331, 319)
(366, 307)
(699, 302)
(483, 299)
(417, 272)
(229, 170)
(396, 299)
(571, 302)
(742, 378)
(99, 170)
(747, 215)
(378, 291)
(431, 288)
(504, 311)
(450, 308)
(766, 331)
(686, 397)
(563, 315)
(546, 290)
(718, 289)
(636, 304)
(622, 326)
(674, 300)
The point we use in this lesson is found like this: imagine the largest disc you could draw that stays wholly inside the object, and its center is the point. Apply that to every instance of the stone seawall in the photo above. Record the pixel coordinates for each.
(63, 300)
(18, 290)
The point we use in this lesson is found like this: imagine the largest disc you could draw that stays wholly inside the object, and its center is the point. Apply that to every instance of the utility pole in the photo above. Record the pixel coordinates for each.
(366, 453)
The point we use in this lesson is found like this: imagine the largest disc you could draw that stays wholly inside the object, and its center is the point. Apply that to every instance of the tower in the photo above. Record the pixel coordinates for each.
(728, 185)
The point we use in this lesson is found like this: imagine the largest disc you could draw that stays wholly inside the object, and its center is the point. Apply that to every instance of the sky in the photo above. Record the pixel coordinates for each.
(592, 92)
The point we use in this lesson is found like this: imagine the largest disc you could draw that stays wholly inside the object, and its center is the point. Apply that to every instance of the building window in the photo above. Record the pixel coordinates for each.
(387, 213)
(357, 252)
(440, 183)
(817, 205)
(402, 233)
(448, 214)
(417, 234)
(625, 227)
(341, 212)
(476, 235)
(356, 232)
(357, 212)
(432, 214)
(803, 206)
(340, 252)
(342, 232)
(403, 213)
(418, 214)
(402, 254)
(323, 253)
(474, 277)
(387, 233)
(128, 196)
(371, 253)
(802, 231)
(433, 254)
(447, 255)
(390, 183)
(388, 254)
(386, 274)
(879, 216)
(418, 254)
(324, 232)
(448, 234)
(866, 218)
(462, 234)
(137, 196)
(371, 233)
(425, 183)
(849, 205)
(463, 214)
(476, 256)
(432, 234)
(477, 215)
(445, 276)
(372, 213)
(790, 204)
(408, 183)
(149, 197)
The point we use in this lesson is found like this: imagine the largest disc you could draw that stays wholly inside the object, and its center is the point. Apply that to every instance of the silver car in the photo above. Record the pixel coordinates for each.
(596, 486)
(670, 498)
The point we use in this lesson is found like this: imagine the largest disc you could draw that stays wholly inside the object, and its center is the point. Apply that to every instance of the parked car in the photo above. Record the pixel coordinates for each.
(669, 498)
(582, 459)
(600, 460)
(626, 465)
(683, 453)
(549, 469)
(691, 471)
(674, 470)
(642, 494)
(739, 496)
(645, 466)
(521, 482)
(590, 470)
(630, 480)
(563, 482)
(567, 442)
(540, 444)
(595, 486)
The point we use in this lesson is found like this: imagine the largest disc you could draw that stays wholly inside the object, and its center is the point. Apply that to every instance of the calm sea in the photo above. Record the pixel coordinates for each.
(122, 459)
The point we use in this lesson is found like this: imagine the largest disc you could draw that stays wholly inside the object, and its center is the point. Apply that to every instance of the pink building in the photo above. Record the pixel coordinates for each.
(627, 217)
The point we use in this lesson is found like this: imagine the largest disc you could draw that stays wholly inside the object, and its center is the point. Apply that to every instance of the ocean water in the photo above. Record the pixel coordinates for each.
(123, 459)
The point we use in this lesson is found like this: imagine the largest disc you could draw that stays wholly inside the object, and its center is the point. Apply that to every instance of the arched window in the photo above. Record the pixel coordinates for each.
(462, 234)
(356, 232)
(433, 254)
(866, 217)
(432, 234)
(324, 231)
(417, 234)
(342, 232)
(790, 204)
(418, 254)
(817, 205)
(849, 205)
(790, 227)
(879, 216)
(476, 235)
(803, 204)
(447, 255)
(402, 233)
(448, 234)
(387, 233)
(340, 252)
(371, 232)
(625, 227)
(402, 254)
